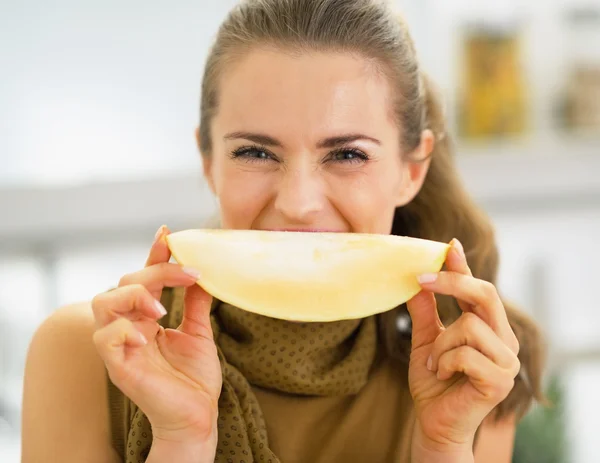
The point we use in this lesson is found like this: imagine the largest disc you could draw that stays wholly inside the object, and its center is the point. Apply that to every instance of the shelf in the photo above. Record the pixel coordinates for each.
(503, 179)
(517, 178)
(43, 214)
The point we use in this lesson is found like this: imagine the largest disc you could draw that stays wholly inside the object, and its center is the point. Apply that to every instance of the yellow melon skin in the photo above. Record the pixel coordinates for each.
(308, 277)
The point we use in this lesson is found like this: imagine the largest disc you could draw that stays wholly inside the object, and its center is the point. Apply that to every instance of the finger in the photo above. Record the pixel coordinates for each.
(481, 294)
(426, 323)
(156, 277)
(132, 302)
(470, 330)
(159, 252)
(493, 382)
(196, 313)
(112, 340)
(456, 261)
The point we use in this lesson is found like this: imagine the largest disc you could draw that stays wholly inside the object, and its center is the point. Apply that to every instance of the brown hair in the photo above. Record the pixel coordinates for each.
(442, 210)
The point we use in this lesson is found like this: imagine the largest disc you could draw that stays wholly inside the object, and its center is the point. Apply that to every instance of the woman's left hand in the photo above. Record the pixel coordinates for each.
(458, 374)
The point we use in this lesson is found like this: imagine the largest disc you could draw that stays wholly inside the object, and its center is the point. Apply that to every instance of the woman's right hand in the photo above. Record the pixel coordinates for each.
(173, 375)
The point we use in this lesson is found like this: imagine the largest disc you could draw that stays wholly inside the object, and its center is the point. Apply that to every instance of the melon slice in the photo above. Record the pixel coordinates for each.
(311, 277)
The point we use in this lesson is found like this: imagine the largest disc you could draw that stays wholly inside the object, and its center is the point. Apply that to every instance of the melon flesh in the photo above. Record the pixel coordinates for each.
(311, 277)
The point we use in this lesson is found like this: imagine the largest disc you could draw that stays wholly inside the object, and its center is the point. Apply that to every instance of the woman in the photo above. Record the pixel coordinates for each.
(314, 116)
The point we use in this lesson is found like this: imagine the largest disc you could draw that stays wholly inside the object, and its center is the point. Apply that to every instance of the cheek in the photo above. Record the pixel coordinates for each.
(242, 194)
(368, 200)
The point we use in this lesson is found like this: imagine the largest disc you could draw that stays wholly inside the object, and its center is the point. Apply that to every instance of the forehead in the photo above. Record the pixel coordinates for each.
(311, 92)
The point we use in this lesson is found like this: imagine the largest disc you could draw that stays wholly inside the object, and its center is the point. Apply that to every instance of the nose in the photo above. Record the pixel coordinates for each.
(301, 195)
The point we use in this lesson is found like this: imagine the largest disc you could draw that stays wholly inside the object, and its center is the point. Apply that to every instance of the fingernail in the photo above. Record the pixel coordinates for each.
(459, 247)
(195, 274)
(427, 278)
(160, 308)
(143, 338)
(429, 363)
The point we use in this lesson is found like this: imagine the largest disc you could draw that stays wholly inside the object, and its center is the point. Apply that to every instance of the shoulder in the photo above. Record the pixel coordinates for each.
(496, 439)
(65, 407)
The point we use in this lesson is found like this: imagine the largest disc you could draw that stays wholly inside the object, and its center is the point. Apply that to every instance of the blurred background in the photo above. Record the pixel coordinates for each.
(99, 101)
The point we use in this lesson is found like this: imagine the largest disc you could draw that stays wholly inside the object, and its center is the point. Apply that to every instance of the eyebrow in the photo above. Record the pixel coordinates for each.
(330, 142)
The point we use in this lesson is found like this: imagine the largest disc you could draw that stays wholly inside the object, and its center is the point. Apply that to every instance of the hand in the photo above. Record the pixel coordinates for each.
(173, 375)
(457, 375)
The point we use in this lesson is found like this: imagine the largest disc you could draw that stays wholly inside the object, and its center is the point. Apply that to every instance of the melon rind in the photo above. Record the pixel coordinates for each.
(307, 277)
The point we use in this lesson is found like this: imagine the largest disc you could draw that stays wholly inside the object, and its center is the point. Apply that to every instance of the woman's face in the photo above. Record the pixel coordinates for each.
(308, 143)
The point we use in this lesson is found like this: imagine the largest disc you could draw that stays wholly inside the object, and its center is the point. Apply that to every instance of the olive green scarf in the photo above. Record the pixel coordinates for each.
(322, 359)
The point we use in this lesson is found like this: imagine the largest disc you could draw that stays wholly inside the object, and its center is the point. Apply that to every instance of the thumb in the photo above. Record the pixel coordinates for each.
(196, 313)
(426, 323)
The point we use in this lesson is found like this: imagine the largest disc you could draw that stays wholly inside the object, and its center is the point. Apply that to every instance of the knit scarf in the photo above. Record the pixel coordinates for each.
(311, 359)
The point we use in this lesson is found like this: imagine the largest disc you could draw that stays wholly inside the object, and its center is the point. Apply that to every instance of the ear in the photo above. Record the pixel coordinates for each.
(415, 168)
(206, 163)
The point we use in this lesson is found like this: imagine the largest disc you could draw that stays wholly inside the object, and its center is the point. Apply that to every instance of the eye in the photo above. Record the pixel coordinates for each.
(348, 155)
(252, 154)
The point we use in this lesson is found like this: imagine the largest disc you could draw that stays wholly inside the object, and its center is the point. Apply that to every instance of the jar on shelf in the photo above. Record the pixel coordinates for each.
(581, 111)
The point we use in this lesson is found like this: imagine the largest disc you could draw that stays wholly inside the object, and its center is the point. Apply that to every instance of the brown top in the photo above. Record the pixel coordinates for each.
(373, 426)
(368, 420)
